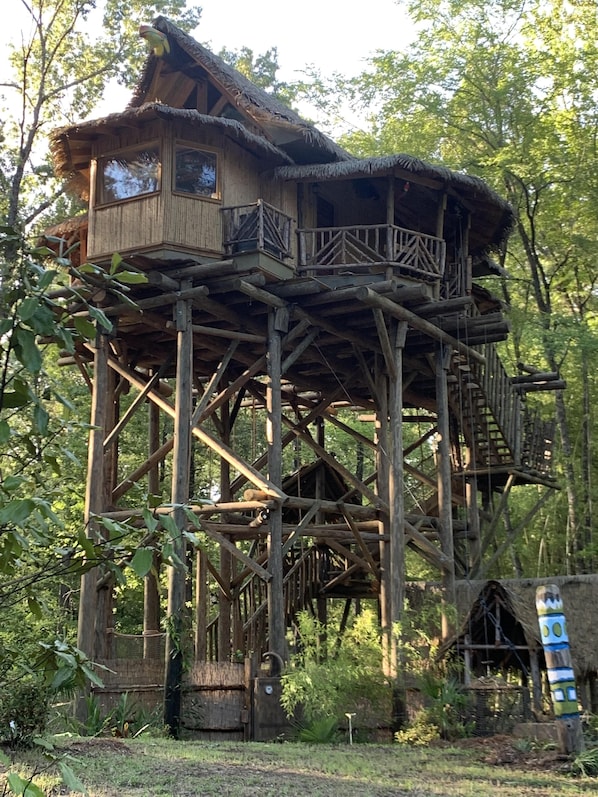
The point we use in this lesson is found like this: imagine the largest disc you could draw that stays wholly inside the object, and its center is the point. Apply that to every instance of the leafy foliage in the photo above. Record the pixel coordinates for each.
(335, 673)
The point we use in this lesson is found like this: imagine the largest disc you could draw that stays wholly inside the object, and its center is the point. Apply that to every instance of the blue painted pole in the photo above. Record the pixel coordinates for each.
(561, 678)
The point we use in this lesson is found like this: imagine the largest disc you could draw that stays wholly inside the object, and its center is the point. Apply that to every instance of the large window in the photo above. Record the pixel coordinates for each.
(129, 174)
(195, 172)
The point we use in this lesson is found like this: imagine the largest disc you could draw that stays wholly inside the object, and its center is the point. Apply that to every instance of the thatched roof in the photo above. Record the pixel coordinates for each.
(494, 216)
(70, 146)
(300, 139)
(579, 594)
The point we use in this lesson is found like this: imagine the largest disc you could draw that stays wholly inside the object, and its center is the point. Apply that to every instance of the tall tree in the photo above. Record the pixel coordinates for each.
(506, 90)
(68, 53)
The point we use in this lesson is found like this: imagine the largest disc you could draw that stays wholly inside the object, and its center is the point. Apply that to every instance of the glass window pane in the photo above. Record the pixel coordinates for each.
(195, 172)
(129, 174)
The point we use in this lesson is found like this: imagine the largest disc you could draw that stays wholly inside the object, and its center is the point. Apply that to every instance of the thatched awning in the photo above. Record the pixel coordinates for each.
(493, 215)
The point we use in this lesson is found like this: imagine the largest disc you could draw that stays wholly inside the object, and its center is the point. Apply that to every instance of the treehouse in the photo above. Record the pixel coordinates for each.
(286, 278)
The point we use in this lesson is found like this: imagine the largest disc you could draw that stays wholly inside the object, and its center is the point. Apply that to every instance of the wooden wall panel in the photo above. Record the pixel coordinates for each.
(127, 226)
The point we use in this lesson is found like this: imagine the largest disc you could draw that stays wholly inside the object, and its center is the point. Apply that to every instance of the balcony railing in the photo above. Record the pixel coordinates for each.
(330, 249)
(258, 227)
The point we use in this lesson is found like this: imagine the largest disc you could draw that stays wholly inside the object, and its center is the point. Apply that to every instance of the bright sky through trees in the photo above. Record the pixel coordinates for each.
(330, 35)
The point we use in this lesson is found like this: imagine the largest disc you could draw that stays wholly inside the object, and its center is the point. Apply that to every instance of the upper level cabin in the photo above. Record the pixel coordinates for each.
(203, 165)
(205, 168)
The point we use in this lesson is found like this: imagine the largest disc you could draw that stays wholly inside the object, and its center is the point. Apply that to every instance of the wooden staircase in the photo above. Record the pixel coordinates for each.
(490, 410)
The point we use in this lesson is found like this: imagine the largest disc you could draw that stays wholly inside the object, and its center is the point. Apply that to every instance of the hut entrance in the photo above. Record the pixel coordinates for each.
(501, 660)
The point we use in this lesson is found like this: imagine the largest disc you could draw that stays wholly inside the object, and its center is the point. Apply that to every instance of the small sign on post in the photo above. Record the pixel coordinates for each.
(553, 633)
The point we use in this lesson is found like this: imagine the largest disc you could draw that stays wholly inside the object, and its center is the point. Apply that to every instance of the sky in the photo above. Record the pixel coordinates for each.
(333, 35)
(330, 35)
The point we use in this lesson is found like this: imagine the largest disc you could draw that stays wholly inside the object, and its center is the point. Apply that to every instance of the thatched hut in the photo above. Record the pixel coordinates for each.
(498, 631)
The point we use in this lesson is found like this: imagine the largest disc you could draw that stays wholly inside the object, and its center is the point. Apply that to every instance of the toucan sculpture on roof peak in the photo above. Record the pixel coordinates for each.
(157, 40)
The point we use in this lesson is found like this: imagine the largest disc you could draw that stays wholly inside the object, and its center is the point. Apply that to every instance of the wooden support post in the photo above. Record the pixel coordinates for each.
(179, 495)
(382, 470)
(104, 636)
(94, 504)
(226, 560)
(445, 502)
(396, 504)
(201, 605)
(536, 676)
(94, 494)
(396, 499)
(277, 322)
(553, 633)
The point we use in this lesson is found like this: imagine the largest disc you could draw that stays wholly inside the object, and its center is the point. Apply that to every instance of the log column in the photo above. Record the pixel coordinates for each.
(277, 324)
(94, 503)
(445, 501)
(180, 495)
(396, 503)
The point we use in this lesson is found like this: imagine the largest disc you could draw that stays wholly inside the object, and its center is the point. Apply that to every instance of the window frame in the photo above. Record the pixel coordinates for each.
(147, 146)
(216, 195)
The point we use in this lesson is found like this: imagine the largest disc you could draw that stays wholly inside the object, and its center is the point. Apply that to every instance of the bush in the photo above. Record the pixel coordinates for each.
(419, 732)
(24, 707)
(335, 673)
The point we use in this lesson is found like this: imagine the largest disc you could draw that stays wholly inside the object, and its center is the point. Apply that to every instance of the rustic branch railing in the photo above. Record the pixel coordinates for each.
(334, 248)
(257, 227)
(496, 422)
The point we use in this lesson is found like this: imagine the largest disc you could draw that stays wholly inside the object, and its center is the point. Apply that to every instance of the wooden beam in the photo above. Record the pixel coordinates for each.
(251, 564)
(369, 297)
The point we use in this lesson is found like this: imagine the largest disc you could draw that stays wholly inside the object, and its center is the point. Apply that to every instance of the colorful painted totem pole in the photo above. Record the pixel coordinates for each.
(553, 633)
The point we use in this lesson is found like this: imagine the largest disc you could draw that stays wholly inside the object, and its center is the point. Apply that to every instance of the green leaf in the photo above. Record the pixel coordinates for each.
(34, 607)
(69, 778)
(41, 419)
(12, 399)
(26, 349)
(85, 328)
(130, 277)
(47, 279)
(28, 308)
(23, 787)
(12, 483)
(115, 263)
(16, 511)
(4, 432)
(100, 317)
(142, 561)
(151, 521)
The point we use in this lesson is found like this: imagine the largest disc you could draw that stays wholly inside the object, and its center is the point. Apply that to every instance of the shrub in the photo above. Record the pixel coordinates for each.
(24, 707)
(419, 732)
(319, 731)
(333, 674)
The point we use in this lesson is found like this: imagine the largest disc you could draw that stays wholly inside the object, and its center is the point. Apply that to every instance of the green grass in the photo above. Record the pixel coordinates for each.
(167, 768)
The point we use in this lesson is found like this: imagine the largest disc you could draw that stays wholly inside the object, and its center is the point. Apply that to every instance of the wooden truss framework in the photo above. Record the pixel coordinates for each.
(203, 338)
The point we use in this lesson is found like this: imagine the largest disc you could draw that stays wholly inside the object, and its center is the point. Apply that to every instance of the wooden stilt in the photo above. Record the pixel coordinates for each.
(151, 596)
(94, 504)
(180, 495)
(445, 502)
(276, 325)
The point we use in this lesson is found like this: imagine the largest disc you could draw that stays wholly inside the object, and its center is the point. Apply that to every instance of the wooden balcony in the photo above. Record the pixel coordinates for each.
(258, 227)
(367, 248)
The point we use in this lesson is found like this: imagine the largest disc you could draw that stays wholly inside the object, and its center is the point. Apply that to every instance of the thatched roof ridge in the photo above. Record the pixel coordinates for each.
(264, 108)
